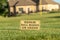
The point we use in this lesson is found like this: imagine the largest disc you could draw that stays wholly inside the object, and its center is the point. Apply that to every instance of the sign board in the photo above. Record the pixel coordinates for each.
(29, 24)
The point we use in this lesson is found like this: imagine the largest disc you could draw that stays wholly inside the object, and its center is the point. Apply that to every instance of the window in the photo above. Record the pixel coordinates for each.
(20, 10)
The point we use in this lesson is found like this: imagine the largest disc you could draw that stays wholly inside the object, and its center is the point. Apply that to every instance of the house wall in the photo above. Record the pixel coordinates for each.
(25, 8)
(41, 7)
(11, 9)
(49, 7)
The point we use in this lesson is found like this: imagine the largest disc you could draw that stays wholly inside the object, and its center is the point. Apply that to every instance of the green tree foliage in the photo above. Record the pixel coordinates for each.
(3, 6)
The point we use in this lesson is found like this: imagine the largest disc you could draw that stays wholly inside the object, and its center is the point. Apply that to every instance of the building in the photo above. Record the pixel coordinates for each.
(21, 6)
(26, 6)
(49, 5)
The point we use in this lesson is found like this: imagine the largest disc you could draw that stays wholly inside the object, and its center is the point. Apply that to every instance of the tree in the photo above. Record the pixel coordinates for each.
(2, 4)
(37, 4)
(3, 7)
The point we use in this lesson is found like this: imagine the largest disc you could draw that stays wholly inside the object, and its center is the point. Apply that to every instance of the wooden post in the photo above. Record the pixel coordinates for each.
(40, 7)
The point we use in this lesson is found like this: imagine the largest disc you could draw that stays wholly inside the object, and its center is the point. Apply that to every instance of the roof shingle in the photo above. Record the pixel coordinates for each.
(21, 2)
(48, 2)
(29, 2)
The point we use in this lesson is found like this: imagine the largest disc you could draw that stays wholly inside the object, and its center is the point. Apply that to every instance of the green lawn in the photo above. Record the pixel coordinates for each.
(49, 30)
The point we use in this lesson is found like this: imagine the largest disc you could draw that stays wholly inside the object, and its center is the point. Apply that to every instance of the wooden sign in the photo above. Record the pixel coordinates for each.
(29, 24)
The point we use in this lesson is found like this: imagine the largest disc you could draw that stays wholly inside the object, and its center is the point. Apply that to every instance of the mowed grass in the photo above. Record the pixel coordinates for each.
(49, 29)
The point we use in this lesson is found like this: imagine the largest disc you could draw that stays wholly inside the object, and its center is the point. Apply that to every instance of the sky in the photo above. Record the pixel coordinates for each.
(57, 1)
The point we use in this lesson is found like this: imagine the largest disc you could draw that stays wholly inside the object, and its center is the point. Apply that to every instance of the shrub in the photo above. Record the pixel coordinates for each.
(55, 11)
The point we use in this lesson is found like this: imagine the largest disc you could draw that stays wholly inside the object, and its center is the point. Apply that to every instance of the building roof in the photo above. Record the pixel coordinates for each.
(21, 2)
(29, 2)
(48, 2)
